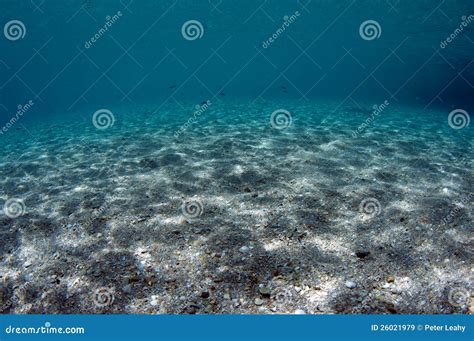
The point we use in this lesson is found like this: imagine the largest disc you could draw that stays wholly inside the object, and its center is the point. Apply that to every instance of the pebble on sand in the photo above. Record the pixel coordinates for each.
(350, 284)
(154, 301)
(265, 291)
(127, 289)
(244, 249)
(362, 254)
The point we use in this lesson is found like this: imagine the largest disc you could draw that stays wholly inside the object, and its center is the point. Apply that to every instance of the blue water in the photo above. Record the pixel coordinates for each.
(160, 155)
(144, 53)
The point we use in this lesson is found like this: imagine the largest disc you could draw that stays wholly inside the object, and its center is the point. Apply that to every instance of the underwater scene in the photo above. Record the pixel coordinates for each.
(236, 157)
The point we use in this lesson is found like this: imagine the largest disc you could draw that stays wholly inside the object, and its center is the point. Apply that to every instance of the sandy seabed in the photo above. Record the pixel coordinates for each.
(231, 214)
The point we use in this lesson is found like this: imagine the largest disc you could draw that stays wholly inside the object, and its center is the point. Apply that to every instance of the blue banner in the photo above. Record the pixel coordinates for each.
(237, 327)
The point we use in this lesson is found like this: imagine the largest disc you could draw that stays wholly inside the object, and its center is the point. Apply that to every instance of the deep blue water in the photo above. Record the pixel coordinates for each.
(144, 58)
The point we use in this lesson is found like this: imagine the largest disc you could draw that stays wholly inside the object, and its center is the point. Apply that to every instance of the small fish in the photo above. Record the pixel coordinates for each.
(172, 86)
(222, 94)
